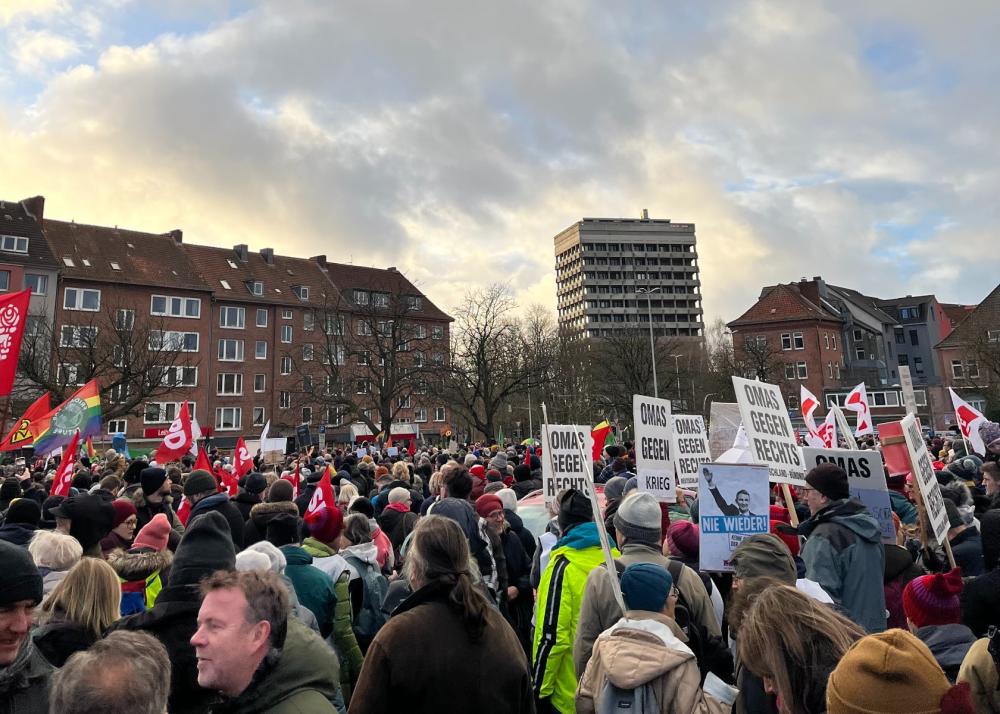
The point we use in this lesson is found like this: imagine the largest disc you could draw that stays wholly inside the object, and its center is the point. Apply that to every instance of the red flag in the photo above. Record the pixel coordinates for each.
(600, 436)
(178, 438)
(20, 435)
(184, 510)
(295, 479)
(13, 315)
(229, 481)
(322, 504)
(241, 458)
(203, 462)
(64, 476)
(527, 456)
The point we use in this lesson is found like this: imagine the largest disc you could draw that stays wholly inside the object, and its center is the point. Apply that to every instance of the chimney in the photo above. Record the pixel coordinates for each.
(645, 215)
(391, 269)
(36, 207)
(241, 252)
(320, 260)
(177, 234)
(268, 255)
(813, 290)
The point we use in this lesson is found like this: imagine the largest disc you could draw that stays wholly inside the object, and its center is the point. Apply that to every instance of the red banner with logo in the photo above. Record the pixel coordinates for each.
(13, 316)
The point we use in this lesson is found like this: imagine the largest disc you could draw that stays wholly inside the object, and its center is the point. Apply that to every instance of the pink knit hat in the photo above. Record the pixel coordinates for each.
(933, 599)
(683, 539)
(154, 534)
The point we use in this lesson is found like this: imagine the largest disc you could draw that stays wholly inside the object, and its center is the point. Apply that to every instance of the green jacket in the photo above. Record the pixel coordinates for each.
(303, 681)
(560, 593)
(351, 658)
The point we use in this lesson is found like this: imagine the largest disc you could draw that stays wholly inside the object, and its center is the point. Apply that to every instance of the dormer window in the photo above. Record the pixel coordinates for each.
(14, 244)
(68, 262)
(232, 264)
(115, 266)
(256, 287)
(301, 292)
(225, 284)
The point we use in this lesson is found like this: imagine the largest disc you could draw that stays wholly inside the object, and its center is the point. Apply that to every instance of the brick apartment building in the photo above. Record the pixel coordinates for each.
(969, 356)
(245, 335)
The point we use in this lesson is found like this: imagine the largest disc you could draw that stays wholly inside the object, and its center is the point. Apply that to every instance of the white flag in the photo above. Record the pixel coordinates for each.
(857, 402)
(808, 404)
(969, 419)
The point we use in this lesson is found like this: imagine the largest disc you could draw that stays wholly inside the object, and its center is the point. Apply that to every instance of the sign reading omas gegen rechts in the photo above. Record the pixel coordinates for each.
(769, 429)
(563, 465)
(653, 465)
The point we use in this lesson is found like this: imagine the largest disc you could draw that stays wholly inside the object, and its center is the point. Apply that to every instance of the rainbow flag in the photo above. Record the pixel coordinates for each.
(602, 434)
(91, 452)
(81, 412)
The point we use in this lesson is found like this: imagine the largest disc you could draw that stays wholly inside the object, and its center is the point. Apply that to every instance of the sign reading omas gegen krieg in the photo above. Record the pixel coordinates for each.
(653, 464)
(769, 429)
(563, 466)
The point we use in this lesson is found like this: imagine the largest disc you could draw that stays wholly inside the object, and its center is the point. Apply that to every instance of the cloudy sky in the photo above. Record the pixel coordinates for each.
(455, 138)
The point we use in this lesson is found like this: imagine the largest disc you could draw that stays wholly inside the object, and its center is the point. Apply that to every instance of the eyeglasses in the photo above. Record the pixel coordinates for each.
(131, 521)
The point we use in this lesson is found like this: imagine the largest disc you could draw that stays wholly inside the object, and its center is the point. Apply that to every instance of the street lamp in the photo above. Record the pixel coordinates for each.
(652, 343)
(677, 371)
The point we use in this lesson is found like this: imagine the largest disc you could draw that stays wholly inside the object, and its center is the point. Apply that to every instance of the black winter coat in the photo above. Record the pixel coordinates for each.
(59, 638)
(255, 529)
(519, 610)
(244, 502)
(523, 488)
(526, 537)
(981, 602)
(17, 533)
(967, 547)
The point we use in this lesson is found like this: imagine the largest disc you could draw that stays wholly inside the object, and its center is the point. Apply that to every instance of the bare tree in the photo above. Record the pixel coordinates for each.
(981, 361)
(622, 365)
(133, 361)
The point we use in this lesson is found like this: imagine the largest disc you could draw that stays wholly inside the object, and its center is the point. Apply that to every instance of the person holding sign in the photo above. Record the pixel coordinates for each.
(843, 550)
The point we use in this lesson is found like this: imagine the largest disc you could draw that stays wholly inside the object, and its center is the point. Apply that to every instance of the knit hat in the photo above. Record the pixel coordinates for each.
(508, 498)
(683, 539)
(989, 432)
(574, 509)
(154, 534)
(487, 504)
(522, 472)
(779, 515)
(283, 529)
(478, 470)
(493, 475)
(9, 489)
(638, 518)
(892, 672)
(614, 489)
(24, 510)
(205, 547)
(830, 480)
(124, 509)
(933, 599)
(630, 485)
(255, 483)
(764, 554)
(200, 481)
(646, 586)
(535, 463)
(49, 518)
(469, 460)
(362, 505)
(19, 578)
(261, 556)
(326, 524)
(499, 461)
(151, 479)
(281, 490)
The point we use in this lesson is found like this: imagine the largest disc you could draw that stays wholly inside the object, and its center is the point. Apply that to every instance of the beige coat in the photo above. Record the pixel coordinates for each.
(647, 647)
(981, 674)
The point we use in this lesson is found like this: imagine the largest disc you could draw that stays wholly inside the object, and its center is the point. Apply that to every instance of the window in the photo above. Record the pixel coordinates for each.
(403, 402)
(259, 382)
(68, 262)
(286, 334)
(339, 355)
(792, 401)
(333, 385)
(833, 342)
(437, 332)
(803, 371)
(82, 299)
(993, 335)
(334, 415)
(907, 313)
(261, 317)
(117, 426)
(364, 327)
(4, 280)
(900, 335)
(307, 415)
(307, 352)
(362, 386)
(307, 384)
(786, 340)
(758, 342)
(14, 244)
(364, 357)
(418, 359)
(286, 314)
(284, 400)
(301, 292)
(124, 319)
(70, 374)
(232, 318)
(308, 322)
(286, 365)
(165, 412)
(169, 306)
(914, 338)
(258, 416)
(118, 392)
(39, 284)
(256, 287)
(972, 369)
(921, 397)
(228, 418)
(437, 358)
(225, 284)
(829, 369)
(957, 371)
(334, 325)
(180, 377)
(797, 341)
(836, 370)
(173, 340)
(789, 370)
(419, 415)
(438, 413)
(826, 340)
(77, 336)
(231, 350)
(360, 297)
(260, 349)
(903, 360)
(229, 383)
(859, 352)
(414, 302)
(380, 299)
(419, 332)
(918, 365)
(857, 336)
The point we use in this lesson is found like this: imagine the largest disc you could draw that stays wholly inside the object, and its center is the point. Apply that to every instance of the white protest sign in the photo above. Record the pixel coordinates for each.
(654, 468)
(723, 422)
(906, 384)
(689, 446)
(769, 430)
(561, 466)
(923, 474)
(733, 505)
(392, 451)
(361, 453)
(865, 479)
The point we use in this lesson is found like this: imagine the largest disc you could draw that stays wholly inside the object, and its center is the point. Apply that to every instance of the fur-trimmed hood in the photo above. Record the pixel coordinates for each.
(139, 565)
(262, 513)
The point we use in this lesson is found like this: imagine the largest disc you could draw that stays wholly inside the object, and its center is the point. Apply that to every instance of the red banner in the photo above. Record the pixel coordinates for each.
(241, 458)
(13, 316)
(20, 435)
(178, 439)
(64, 476)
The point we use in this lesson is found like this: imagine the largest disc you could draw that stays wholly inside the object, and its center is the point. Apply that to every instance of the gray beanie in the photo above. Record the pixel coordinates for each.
(470, 459)
(638, 518)
(499, 461)
(615, 488)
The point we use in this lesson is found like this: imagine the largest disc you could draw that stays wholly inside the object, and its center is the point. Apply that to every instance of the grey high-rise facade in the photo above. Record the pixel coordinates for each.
(614, 273)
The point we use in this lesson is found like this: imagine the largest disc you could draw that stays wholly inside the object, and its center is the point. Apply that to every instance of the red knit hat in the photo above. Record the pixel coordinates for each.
(124, 509)
(327, 525)
(487, 504)
(933, 599)
(779, 514)
(478, 470)
(683, 539)
(154, 534)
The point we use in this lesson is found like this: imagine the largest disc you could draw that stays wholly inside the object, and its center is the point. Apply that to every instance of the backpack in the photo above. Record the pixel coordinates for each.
(371, 617)
(615, 700)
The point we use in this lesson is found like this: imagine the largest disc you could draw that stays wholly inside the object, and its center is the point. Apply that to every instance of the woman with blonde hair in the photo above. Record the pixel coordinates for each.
(79, 610)
(401, 472)
(348, 492)
(793, 643)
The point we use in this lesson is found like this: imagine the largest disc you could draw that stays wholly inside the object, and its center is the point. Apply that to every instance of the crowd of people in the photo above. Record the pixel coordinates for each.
(418, 587)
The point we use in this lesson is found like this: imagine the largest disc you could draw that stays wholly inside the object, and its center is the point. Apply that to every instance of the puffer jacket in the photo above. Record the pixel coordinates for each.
(842, 552)
(560, 591)
(24, 683)
(255, 529)
(647, 647)
(980, 673)
(135, 568)
(144, 511)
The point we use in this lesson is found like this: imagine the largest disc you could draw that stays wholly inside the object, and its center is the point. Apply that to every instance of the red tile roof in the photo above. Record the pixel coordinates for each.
(347, 278)
(16, 219)
(985, 315)
(956, 313)
(782, 303)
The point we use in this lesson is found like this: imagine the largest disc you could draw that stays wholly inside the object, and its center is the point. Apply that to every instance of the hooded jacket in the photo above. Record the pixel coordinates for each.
(255, 529)
(980, 672)
(144, 512)
(641, 648)
(313, 587)
(949, 644)
(135, 567)
(303, 680)
(17, 533)
(59, 638)
(24, 683)
(560, 591)
(244, 502)
(844, 554)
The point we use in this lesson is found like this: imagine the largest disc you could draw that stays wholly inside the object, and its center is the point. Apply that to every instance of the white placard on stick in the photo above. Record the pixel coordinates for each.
(733, 505)
(723, 424)
(769, 430)
(923, 474)
(865, 478)
(689, 443)
(654, 468)
(561, 460)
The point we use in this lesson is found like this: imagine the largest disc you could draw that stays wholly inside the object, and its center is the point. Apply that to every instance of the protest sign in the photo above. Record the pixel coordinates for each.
(733, 506)
(865, 478)
(563, 466)
(769, 430)
(361, 452)
(923, 474)
(392, 451)
(906, 386)
(689, 446)
(654, 468)
(723, 423)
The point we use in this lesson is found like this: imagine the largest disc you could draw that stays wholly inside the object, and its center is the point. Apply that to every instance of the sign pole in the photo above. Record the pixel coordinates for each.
(844, 427)
(793, 517)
